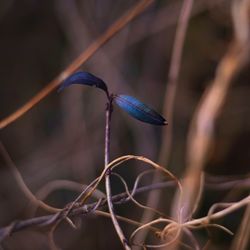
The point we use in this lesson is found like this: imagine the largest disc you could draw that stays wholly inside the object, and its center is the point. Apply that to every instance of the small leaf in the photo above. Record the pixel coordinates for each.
(139, 110)
(84, 78)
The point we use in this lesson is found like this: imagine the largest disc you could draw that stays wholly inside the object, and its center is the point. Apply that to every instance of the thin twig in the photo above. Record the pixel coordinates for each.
(222, 182)
(173, 78)
(78, 211)
(124, 219)
(118, 229)
(192, 224)
(205, 220)
(216, 206)
(212, 225)
(52, 244)
(192, 238)
(130, 196)
(51, 186)
(63, 213)
(176, 227)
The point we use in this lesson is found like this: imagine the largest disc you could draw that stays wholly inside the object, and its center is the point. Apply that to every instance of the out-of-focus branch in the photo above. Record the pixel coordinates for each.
(202, 127)
(173, 76)
(160, 23)
(222, 182)
(116, 27)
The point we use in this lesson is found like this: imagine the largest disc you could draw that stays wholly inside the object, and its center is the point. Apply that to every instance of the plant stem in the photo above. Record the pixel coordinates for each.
(118, 229)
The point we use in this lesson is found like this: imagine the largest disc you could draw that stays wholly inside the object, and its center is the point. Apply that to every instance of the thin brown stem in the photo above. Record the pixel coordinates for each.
(77, 211)
(118, 229)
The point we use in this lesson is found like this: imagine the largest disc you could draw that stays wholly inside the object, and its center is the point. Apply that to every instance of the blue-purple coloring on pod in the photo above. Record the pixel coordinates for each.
(84, 78)
(139, 110)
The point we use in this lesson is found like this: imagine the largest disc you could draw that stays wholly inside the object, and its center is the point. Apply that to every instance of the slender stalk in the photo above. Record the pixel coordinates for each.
(118, 229)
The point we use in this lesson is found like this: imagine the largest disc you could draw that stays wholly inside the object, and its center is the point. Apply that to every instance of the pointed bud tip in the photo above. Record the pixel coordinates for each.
(83, 78)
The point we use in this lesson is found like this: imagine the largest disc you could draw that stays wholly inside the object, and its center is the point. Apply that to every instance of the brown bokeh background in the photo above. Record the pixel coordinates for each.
(63, 136)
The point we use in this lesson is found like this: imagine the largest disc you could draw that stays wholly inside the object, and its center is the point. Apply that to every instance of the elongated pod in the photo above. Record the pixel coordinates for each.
(139, 110)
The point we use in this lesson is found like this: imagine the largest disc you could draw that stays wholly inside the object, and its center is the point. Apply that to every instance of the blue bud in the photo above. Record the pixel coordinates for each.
(139, 110)
(84, 78)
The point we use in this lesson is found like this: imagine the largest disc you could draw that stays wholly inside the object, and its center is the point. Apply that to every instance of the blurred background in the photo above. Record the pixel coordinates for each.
(63, 136)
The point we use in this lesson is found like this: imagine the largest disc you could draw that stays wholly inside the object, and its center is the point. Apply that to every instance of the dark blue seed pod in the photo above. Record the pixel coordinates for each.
(139, 110)
(84, 78)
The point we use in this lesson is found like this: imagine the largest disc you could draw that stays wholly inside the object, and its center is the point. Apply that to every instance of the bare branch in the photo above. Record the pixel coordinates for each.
(78, 211)
(169, 98)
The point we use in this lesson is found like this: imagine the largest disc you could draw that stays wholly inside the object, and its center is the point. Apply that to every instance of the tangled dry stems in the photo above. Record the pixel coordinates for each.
(170, 229)
(166, 229)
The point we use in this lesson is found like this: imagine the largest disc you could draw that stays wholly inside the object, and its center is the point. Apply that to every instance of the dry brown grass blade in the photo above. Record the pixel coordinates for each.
(51, 241)
(118, 161)
(145, 226)
(90, 208)
(116, 27)
(175, 227)
(204, 221)
(173, 78)
(202, 127)
(137, 203)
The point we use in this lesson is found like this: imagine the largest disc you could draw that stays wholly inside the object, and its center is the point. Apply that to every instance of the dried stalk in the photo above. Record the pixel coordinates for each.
(77, 211)
(118, 229)
(175, 228)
